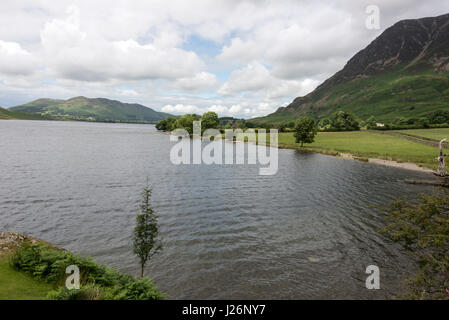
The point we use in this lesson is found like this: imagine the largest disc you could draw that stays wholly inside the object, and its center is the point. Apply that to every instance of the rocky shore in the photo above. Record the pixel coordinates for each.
(9, 241)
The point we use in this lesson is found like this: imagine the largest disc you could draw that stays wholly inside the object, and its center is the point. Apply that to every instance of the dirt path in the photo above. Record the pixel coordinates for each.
(427, 142)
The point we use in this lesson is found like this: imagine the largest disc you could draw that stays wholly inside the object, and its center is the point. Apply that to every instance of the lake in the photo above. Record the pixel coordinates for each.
(308, 232)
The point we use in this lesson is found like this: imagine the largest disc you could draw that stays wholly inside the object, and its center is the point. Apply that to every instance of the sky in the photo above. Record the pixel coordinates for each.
(237, 58)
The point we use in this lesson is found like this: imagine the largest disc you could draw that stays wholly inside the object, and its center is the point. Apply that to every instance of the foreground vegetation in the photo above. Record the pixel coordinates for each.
(423, 229)
(48, 265)
(37, 271)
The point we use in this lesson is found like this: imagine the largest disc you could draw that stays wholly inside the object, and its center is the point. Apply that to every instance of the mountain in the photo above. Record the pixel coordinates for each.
(99, 109)
(9, 115)
(403, 73)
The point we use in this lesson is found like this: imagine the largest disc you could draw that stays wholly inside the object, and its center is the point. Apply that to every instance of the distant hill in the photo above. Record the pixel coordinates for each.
(403, 73)
(7, 114)
(98, 109)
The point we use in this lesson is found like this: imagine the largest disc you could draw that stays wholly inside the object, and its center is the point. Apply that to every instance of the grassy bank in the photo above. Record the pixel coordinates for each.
(33, 269)
(365, 144)
(15, 285)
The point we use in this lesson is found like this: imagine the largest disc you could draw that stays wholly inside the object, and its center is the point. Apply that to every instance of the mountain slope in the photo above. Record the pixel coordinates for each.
(403, 73)
(10, 115)
(99, 109)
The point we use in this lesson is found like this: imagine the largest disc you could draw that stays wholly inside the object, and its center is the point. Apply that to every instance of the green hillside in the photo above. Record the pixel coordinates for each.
(386, 96)
(7, 114)
(86, 109)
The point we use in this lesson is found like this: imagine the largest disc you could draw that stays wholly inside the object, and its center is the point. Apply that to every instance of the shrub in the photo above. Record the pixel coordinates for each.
(423, 229)
(87, 292)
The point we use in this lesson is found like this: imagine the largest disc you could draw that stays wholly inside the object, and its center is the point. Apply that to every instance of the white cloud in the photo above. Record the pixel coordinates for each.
(240, 111)
(181, 109)
(200, 82)
(238, 50)
(257, 78)
(74, 54)
(16, 61)
(292, 88)
(251, 78)
(235, 109)
(128, 93)
(222, 110)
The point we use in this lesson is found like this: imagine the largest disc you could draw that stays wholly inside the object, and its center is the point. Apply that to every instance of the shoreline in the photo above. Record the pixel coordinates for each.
(348, 156)
(389, 163)
(9, 241)
(71, 120)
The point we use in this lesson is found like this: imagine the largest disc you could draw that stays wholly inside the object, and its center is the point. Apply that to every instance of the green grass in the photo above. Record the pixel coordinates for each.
(365, 144)
(434, 134)
(15, 285)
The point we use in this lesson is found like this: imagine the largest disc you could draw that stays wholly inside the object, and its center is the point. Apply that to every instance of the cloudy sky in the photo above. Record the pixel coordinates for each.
(237, 58)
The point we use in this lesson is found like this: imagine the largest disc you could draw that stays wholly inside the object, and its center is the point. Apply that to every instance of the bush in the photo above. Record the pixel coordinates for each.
(423, 229)
(97, 282)
(87, 292)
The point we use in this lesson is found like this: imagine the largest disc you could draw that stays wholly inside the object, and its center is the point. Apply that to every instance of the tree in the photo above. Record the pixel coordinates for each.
(305, 130)
(209, 120)
(325, 123)
(343, 121)
(166, 124)
(371, 122)
(186, 122)
(250, 124)
(422, 227)
(423, 123)
(282, 126)
(439, 116)
(146, 243)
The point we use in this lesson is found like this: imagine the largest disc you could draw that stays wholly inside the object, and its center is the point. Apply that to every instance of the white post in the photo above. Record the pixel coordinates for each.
(441, 165)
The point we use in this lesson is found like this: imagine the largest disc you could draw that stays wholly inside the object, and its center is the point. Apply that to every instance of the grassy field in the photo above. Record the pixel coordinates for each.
(367, 145)
(435, 134)
(15, 285)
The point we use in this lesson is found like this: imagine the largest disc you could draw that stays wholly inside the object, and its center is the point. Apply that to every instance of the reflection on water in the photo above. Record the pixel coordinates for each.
(307, 232)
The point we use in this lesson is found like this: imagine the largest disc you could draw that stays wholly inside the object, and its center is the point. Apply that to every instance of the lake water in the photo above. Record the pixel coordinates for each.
(307, 232)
